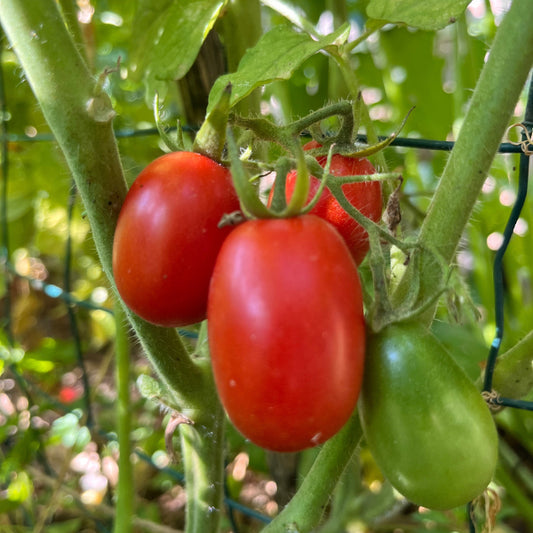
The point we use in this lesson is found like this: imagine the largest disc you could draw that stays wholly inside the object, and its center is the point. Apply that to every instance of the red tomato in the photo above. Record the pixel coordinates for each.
(365, 196)
(286, 331)
(167, 239)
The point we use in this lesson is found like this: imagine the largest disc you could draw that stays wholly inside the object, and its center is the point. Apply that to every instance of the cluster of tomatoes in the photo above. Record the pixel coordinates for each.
(286, 325)
(282, 296)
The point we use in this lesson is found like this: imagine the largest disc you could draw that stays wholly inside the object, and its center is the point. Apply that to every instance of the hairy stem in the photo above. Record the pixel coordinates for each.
(123, 522)
(204, 478)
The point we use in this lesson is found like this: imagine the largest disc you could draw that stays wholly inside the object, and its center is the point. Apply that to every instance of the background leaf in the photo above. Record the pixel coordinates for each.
(429, 15)
(275, 57)
(167, 35)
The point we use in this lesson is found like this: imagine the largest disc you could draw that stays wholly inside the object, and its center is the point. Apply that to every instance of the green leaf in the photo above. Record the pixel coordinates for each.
(168, 34)
(428, 15)
(20, 489)
(291, 13)
(9, 354)
(153, 390)
(68, 431)
(39, 366)
(149, 387)
(276, 56)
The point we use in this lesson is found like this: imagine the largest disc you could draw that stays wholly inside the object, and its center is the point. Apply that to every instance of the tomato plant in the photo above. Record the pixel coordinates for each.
(167, 237)
(364, 196)
(286, 331)
(427, 426)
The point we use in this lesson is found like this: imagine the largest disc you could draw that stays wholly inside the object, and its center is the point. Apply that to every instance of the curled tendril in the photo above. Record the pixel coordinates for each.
(492, 398)
(527, 142)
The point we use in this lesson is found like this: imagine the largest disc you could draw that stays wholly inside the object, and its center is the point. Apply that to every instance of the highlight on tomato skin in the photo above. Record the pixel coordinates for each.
(167, 237)
(364, 196)
(286, 331)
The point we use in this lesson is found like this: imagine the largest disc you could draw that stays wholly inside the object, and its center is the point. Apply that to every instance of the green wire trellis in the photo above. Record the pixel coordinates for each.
(523, 177)
(64, 294)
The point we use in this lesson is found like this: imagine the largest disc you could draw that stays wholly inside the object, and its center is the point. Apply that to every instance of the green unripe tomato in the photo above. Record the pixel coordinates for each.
(427, 426)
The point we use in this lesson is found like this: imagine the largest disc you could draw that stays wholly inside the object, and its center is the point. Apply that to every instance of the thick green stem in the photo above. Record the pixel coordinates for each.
(204, 479)
(80, 116)
(305, 511)
(123, 519)
(492, 104)
(69, 9)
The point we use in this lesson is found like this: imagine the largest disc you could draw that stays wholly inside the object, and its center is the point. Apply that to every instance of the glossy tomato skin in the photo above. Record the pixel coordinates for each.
(427, 426)
(166, 240)
(286, 331)
(365, 196)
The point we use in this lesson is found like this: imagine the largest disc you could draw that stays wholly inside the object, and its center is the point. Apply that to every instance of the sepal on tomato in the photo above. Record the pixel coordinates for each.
(211, 137)
(174, 145)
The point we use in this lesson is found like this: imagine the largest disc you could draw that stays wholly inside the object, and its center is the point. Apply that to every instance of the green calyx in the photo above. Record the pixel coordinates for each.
(210, 139)
(287, 137)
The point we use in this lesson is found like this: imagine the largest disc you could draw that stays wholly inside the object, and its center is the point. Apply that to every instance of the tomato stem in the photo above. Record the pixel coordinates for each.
(306, 508)
(366, 223)
(202, 448)
(343, 108)
(342, 58)
(323, 183)
(174, 145)
(283, 135)
(125, 493)
(279, 199)
(251, 205)
(301, 186)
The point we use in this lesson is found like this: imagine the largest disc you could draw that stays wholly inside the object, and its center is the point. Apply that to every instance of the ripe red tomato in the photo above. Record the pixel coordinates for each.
(365, 196)
(286, 331)
(167, 239)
